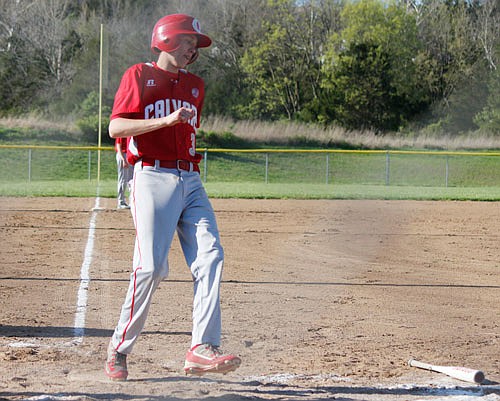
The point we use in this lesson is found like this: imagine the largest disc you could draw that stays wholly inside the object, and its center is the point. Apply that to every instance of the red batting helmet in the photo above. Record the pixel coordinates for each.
(167, 29)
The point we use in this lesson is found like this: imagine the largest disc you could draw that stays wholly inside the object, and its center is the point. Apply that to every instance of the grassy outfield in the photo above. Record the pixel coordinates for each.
(253, 190)
(50, 160)
(378, 168)
(343, 191)
(270, 174)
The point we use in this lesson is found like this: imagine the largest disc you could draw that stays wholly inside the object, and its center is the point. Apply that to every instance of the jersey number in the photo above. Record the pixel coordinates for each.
(192, 149)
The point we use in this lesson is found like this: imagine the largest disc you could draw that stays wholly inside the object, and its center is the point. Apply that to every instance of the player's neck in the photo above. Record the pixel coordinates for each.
(166, 64)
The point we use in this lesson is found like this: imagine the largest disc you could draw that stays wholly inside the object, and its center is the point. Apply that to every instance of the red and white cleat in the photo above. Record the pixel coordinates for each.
(116, 364)
(207, 358)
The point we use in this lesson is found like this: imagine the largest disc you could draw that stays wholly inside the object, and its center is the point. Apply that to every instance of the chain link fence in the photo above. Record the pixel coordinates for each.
(372, 167)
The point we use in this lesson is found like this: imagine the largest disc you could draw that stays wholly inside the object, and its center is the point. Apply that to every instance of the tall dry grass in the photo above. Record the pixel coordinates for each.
(36, 122)
(283, 132)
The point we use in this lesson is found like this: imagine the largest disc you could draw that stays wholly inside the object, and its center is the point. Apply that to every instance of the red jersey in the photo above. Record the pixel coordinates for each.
(146, 91)
(121, 145)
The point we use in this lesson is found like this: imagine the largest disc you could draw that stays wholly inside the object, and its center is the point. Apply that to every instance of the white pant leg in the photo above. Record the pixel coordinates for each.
(157, 201)
(124, 176)
(199, 238)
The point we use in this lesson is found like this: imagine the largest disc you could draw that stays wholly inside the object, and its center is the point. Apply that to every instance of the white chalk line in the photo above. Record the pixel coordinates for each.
(82, 300)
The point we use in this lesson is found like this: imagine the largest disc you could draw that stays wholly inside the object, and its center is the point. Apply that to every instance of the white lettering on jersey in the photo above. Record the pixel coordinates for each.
(160, 109)
(176, 104)
(164, 107)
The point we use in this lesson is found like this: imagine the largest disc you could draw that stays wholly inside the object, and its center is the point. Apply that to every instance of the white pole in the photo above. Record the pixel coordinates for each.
(447, 171)
(205, 166)
(29, 165)
(327, 167)
(267, 167)
(387, 167)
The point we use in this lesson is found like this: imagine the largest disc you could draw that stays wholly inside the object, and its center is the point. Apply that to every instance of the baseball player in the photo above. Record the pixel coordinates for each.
(158, 106)
(125, 171)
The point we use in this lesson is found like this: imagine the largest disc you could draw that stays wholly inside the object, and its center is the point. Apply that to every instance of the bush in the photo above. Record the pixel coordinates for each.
(89, 121)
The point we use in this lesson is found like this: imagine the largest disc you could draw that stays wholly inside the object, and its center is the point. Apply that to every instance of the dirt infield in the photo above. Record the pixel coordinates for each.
(321, 299)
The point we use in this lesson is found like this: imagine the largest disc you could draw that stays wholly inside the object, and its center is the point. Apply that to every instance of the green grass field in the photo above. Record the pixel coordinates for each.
(41, 170)
(252, 190)
(269, 174)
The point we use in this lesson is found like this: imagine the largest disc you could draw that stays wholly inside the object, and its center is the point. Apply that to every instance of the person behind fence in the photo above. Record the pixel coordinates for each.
(125, 172)
(158, 105)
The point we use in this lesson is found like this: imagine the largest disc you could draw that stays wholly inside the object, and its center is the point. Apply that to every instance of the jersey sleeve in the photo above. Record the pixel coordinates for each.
(128, 96)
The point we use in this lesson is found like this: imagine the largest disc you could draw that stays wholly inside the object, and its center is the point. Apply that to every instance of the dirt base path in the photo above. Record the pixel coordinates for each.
(321, 299)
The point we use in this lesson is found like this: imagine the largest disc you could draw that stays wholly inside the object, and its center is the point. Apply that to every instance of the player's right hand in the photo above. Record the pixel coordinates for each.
(182, 115)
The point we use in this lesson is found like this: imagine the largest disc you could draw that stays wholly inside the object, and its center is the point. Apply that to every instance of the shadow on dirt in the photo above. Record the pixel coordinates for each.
(255, 391)
(62, 332)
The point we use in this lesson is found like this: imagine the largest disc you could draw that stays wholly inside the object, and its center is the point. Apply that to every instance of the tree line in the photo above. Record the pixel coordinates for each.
(395, 65)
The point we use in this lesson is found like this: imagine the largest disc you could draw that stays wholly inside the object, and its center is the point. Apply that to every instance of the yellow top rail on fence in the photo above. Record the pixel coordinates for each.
(223, 150)
(355, 151)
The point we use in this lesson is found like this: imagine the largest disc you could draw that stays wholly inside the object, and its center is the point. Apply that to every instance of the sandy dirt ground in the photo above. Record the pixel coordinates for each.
(321, 299)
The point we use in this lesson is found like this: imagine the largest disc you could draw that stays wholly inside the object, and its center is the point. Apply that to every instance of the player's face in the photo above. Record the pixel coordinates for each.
(186, 50)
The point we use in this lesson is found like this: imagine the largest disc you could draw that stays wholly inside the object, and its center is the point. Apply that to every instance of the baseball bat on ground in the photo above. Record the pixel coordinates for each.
(457, 372)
